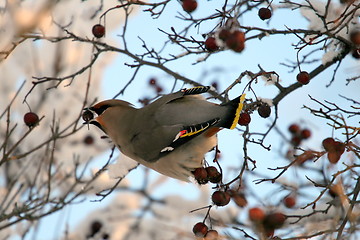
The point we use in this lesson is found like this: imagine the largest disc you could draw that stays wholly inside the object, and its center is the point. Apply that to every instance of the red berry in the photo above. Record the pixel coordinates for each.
(305, 133)
(200, 175)
(224, 34)
(200, 229)
(296, 140)
(88, 140)
(328, 144)
(152, 81)
(333, 157)
(264, 110)
(236, 41)
(274, 220)
(355, 37)
(264, 13)
(213, 174)
(339, 147)
(294, 128)
(189, 5)
(244, 119)
(31, 119)
(289, 201)
(256, 214)
(212, 235)
(239, 199)
(220, 198)
(335, 152)
(303, 77)
(210, 44)
(98, 30)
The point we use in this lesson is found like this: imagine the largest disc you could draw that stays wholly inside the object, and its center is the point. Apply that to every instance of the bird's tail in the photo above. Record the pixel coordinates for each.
(235, 105)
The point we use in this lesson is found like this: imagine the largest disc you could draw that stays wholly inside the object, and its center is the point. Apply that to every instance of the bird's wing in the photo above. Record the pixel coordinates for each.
(167, 126)
(148, 142)
(152, 144)
(192, 92)
(188, 133)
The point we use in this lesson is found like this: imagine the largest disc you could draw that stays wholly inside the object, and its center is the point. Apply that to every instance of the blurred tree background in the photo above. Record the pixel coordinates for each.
(288, 171)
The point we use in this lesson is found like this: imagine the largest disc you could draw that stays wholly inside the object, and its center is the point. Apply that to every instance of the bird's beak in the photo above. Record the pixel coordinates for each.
(89, 118)
(87, 115)
(96, 110)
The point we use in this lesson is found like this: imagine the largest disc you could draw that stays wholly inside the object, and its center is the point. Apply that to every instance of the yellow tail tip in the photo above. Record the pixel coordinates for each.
(238, 111)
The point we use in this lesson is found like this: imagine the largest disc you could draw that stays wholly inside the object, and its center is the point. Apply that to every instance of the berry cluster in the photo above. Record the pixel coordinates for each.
(201, 230)
(298, 134)
(267, 222)
(228, 36)
(221, 197)
(234, 39)
(263, 109)
(209, 174)
(334, 149)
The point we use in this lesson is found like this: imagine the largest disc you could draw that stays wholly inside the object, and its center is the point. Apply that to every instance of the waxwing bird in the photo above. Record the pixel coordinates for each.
(170, 135)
